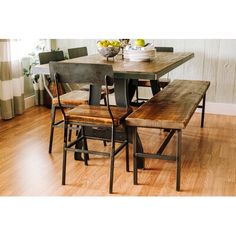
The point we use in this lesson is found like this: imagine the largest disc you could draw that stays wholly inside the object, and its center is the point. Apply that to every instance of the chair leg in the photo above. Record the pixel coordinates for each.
(64, 154)
(85, 147)
(105, 103)
(135, 167)
(137, 98)
(78, 145)
(70, 132)
(112, 155)
(53, 115)
(127, 152)
(77, 131)
(127, 156)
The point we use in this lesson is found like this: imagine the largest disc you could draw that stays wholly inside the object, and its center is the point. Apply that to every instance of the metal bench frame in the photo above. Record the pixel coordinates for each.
(162, 147)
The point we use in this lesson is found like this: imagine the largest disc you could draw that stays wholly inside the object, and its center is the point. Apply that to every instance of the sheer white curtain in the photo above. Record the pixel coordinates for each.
(31, 49)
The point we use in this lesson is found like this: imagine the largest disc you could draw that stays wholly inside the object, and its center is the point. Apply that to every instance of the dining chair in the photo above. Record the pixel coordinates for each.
(45, 58)
(93, 115)
(81, 52)
(69, 98)
(162, 83)
(77, 52)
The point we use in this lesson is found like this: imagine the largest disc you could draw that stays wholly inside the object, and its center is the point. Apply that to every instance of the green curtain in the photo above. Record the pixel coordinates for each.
(11, 80)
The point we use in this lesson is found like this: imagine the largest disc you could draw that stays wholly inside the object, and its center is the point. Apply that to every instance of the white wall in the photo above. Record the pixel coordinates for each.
(64, 44)
(215, 60)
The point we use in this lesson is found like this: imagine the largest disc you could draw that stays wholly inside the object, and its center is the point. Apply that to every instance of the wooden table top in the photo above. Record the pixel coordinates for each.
(160, 65)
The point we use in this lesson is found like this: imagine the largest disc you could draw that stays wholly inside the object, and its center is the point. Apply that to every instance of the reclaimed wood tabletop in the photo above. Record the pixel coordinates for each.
(163, 63)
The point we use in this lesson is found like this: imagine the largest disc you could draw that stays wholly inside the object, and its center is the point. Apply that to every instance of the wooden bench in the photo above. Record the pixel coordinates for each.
(171, 108)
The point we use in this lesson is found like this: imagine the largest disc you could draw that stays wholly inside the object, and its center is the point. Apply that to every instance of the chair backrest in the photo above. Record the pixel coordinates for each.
(92, 74)
(46, 57)
(164, 49)
(77, 52)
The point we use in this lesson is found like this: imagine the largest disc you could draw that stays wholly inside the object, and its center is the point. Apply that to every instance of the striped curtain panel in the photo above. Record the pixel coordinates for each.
(11, 80)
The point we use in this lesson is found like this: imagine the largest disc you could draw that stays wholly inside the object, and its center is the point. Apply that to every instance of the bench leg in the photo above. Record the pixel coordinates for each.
(178, 158)
(135, 166)
(203, 110)
(127, 150)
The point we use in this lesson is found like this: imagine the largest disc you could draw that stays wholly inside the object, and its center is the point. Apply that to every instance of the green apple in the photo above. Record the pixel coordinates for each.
(140, 42)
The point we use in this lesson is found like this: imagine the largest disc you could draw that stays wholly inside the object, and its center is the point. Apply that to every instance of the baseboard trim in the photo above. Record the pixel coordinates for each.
(29, 101)
(220, 108)
(211, 107)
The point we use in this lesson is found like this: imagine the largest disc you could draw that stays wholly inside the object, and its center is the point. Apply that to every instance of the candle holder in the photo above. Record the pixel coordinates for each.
(123, 44)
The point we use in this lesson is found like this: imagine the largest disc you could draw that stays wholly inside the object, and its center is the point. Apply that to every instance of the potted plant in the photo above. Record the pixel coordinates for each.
(27, 64)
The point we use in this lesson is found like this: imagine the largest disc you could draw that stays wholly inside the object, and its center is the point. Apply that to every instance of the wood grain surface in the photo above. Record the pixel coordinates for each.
(172, 107)
(97, 114)
(162, 64)
(26, 168)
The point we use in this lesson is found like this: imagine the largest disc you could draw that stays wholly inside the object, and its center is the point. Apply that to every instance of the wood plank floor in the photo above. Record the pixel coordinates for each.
(26, 168)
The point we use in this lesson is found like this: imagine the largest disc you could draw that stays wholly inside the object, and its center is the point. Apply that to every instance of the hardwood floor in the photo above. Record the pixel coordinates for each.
(26, 168)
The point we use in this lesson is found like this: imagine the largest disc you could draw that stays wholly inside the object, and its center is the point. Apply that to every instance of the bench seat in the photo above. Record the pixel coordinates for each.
(171, 108)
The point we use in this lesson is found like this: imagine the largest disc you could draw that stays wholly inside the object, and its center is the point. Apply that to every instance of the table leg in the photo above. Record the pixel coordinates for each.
(155, 86)
(124, 90)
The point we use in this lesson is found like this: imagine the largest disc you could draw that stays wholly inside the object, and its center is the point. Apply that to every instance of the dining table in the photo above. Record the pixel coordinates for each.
(126, 72)
(124, 69)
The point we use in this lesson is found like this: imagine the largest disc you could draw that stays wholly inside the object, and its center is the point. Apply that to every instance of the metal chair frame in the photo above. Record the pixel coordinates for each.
(85, 73)
(45, 58)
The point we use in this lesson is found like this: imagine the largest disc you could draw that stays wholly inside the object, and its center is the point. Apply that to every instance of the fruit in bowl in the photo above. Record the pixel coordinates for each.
(108, 48)
(140, 42)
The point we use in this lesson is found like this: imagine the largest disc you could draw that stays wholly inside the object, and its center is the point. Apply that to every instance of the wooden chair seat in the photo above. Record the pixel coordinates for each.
(97, 114)
(146, 83)
(73, 98)
(110, 89)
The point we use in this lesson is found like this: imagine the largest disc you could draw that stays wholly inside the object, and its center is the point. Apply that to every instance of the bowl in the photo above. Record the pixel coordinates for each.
(108, 51)
(139, 55)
